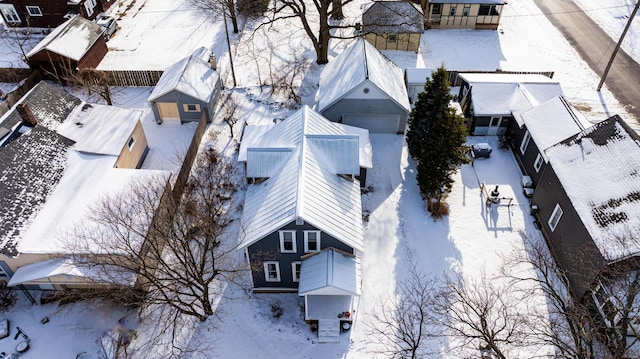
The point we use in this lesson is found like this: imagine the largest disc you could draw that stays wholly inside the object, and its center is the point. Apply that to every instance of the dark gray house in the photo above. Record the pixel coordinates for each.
(588, 200)
(535, 130)
(490, 101)
(187, 88)
(364, 89)
(302, 216)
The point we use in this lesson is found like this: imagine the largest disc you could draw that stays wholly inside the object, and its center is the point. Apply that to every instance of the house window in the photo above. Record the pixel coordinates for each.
(272, 271)
(465, 10)
(191, 108)
(311, 241)
(9, 13)
(392, 38)
(525, 142)
(436, 9)
(131, 142)
(488, 10)
(90, 5)
(295, 271)
(288, 242)
(555, 217)
(452, 11)
(538, 163)
(34, 11)
(495, 121)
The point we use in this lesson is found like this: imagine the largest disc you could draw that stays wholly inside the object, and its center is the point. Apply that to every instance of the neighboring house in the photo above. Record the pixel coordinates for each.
(76, 44)
(414, 80)
(187, 88)
(362, 88)
(476, 14)
(393, 25)
(49, 13)
(588, 202)
(541, 127)
(490, 101)
(58, 158)
(302, 216)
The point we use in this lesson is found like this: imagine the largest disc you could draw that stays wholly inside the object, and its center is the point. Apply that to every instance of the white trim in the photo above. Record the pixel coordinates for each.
(282, 241)
(267, 270)
(34, 10)
(555, 217)
(295, 274)
(538, 163)
(306, 241)
(10, 13)
(131, 143)
(525, 142)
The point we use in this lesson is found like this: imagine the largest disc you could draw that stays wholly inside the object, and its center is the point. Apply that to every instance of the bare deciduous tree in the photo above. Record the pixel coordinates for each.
(476, 312)
(402, 323)
(217, 7)
(228, 112)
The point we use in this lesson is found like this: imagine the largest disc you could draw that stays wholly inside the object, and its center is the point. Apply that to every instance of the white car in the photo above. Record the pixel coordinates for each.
(108, 23)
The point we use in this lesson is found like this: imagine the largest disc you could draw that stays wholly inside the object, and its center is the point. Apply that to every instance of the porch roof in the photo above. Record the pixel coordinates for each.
(330, 272)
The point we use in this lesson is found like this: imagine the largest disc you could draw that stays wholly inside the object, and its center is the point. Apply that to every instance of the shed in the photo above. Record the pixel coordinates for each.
(187, 88)
(393, 25)
(76, 44)
(362, 88)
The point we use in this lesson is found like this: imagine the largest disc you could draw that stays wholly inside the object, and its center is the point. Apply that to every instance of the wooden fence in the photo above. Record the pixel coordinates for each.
(14, 96)
(190, 157)
(132, 77)
(454, 76)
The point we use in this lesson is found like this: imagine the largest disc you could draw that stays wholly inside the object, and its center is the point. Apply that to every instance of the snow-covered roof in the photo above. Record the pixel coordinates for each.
(100, 129)
(598, 169)
(417, 76)
(504, 94)
(360, 62)
(552, 121)
(72, 39)
(304, 180)
(52, 268)
(192, 76)
(483, 2)
(392, 17)
(330, 272)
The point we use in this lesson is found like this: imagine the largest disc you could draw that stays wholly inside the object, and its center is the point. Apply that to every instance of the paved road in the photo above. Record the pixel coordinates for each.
(595, 47)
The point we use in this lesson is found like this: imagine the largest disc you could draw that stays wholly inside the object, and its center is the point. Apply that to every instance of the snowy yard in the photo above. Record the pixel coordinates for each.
(473, 239)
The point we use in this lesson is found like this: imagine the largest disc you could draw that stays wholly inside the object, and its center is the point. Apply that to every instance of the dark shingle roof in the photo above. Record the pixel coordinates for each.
(30, 168)
(393, 17)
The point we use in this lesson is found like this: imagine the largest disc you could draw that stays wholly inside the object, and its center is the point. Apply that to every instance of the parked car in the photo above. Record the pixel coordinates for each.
(108, 23)
(481, 150)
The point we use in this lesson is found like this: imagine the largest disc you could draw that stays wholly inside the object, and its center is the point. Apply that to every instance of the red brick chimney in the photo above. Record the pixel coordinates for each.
(27, 116)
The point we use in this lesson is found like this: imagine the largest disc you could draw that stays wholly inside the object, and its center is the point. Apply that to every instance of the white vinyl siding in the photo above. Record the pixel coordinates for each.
(288, 242)
(295, 271)
(555, 217)
(525, 142)
(272, 271)
(311, 241)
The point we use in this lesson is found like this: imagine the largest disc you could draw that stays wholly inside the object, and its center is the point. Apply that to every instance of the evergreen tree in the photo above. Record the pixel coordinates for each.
(436, 137)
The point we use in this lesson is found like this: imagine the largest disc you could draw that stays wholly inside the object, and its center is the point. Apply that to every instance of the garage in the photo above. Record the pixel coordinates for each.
(379, 123)
(169, 112)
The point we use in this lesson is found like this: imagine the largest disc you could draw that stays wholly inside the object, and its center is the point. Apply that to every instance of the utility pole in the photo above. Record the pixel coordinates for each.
(615, 51)
(226, 31)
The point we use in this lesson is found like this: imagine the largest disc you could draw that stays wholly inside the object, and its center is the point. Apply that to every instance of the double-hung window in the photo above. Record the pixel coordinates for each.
(288, 242)
(555, 217)
(311, 241)
(272, 271)
(538, 163)
(525, 142)
(295, 271)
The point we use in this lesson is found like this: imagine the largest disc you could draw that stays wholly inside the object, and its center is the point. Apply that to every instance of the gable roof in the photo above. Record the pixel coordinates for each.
(330, 272)
(501, 94)
(72, 39)
(192, 76)
(392, 17)
(552, 121)
(359, 62)
(607, 201)
(303, 181)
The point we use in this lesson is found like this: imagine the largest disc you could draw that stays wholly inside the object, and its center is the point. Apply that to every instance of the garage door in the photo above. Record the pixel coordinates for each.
(374, 123)
(169, 112)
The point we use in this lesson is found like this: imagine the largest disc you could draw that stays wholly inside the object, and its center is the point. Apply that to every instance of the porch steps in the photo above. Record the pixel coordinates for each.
(328, 331)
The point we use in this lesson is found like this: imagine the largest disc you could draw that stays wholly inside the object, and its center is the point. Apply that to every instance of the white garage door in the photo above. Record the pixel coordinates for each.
(386, 123)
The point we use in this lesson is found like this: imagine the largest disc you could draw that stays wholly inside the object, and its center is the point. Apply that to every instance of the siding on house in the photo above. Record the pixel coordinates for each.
(463, 14)
(398, 41)
(268, 249)
(134, 150)
(53, 11)
(182, 101)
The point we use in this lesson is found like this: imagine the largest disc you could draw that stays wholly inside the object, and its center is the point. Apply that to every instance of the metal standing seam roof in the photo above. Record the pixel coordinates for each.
(330, 272)
(72, 39)
(304, 184)
(192, 76)
(359, 62)
(598, 169)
